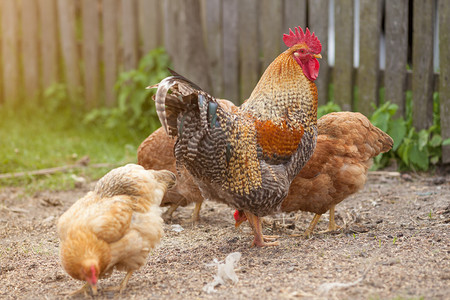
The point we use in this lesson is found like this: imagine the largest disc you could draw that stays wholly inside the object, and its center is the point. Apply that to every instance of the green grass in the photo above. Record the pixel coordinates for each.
(33, 138)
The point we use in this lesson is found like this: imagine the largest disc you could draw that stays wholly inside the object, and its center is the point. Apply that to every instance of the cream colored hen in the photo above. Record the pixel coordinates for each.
(115, 226)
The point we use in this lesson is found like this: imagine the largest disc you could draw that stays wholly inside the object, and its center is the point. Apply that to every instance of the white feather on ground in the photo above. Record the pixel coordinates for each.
(225, 271)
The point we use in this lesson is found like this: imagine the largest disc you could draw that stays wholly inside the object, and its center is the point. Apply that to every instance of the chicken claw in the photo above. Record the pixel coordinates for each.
(331, 224)
(260, 240)
(312, 225)
(122, 285)
(84, 289)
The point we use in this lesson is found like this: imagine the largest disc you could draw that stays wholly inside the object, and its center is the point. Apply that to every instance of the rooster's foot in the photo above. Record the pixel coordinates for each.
(264, 243)
(270, 238)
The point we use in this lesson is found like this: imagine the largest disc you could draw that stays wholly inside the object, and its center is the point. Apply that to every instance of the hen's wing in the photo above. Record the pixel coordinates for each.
(358, 138)
(107, 218)
(346, 144)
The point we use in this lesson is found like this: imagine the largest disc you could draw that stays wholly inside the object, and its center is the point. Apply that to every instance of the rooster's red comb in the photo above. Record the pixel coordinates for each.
(300, 37)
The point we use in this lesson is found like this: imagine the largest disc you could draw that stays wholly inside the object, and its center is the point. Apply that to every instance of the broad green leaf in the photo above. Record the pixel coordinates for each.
(397, 131)
(392, 108)
(423, 139)
(380, 120)
(403, 152)
(434, 160)
(418, 157)
(436, 140)
(446, 142)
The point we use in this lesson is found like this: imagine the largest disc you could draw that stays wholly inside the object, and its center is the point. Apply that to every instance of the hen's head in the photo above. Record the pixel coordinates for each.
(90, 272)
(239, 217)
(305, 49)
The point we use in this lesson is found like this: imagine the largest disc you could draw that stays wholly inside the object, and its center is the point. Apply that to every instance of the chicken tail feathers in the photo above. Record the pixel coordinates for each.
(160, 100)
(175, 96)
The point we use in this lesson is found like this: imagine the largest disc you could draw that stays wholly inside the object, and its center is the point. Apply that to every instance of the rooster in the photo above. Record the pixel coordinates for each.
(248, 157)
(114, 226)
(346, 144)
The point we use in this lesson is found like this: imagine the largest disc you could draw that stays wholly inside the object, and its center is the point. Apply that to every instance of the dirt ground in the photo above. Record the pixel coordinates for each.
(394, 244)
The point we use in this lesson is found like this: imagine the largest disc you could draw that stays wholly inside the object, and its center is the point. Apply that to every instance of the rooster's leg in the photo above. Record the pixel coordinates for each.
(331, 224)
(312, 225)
(260, 239)
(196, 212)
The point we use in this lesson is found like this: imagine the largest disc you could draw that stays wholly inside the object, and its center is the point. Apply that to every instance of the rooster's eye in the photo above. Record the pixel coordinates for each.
(302, 51)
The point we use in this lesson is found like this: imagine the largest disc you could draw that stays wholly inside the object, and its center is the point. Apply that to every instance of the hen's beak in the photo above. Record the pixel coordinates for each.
(155, 86)
(317, 55)
(94, 289)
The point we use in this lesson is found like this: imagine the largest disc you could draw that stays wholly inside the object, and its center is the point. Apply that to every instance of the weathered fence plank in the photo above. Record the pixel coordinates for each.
(30, 58)
(271, 30)
(110, 40)
(214, 46)
(150, 20)
(444, 78)
(66, 14)
(422, 63)
(248, 46)
(294, 15)
(396, 53)
(91, 35)
(230, 21)
(49, 42)
(318, 23)
(369, 54)
(10, 35)
(129, 35)
(343, 70)
(192, 51)
(171, 32)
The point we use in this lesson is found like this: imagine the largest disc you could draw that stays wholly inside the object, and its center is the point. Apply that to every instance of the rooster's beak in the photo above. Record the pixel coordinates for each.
(317, 55)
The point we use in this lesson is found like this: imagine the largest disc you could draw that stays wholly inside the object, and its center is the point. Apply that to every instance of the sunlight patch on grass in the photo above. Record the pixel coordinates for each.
(31, 141)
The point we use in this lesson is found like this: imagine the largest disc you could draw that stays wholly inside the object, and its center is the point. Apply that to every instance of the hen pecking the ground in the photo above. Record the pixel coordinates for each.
(248, 157)
(115, 226)
(346, 145)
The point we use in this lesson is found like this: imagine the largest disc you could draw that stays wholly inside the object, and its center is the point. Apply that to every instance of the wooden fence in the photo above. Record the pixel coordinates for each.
(225, 45)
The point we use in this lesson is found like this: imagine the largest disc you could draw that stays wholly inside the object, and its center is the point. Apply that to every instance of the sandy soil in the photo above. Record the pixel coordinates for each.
(395, 243)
